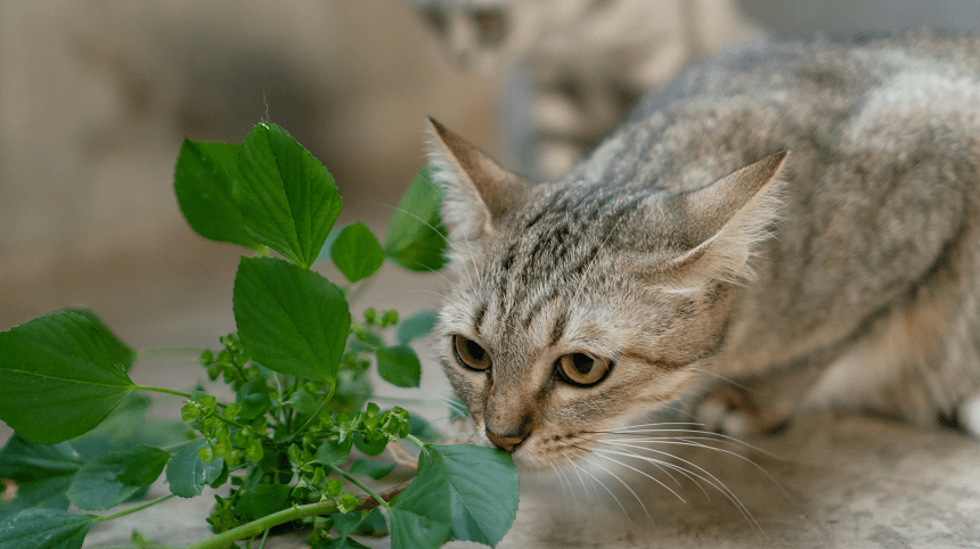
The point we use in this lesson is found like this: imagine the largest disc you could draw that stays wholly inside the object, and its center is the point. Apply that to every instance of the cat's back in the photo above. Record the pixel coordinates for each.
(822, 99)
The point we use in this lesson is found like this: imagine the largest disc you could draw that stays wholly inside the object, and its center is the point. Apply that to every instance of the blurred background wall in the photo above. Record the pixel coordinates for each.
(96, 96)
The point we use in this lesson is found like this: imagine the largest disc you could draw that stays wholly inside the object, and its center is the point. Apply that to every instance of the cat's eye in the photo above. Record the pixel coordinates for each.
(471, 354)
(492, 24)
(581, 369)
(436, 18)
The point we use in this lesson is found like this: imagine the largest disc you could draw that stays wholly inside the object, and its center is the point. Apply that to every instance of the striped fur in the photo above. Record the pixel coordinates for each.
(688, 243)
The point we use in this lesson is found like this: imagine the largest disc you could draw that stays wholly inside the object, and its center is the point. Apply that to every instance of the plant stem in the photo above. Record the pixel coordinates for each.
(417, 442)
(166, 351)
(358, 483)
(353, 297)
(297, 432)
(162, 390)
(131, 510)
(297, 512)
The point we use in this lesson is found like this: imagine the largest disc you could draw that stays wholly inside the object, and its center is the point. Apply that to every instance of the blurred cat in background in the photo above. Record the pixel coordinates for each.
(578, 67)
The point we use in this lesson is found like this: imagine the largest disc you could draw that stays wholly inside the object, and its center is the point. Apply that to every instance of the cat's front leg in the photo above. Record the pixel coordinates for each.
(756, 405)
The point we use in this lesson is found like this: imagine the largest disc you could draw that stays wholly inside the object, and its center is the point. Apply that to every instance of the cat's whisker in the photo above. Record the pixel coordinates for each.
(605, 455)
(692, 443)
(430, 292)
(688, 433)
(623, 482)
(662, 470)
(453, 404)
(444, 237)
(629, 522)
(725, 379)
(560, 481)
(575, 469)
(707, 477)
(692, 424)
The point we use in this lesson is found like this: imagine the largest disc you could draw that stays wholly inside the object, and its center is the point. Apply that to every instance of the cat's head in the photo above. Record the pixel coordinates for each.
(480, 34)
(578, 306)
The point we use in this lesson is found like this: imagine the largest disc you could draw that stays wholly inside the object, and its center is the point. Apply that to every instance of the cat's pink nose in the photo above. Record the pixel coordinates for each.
(506, 443)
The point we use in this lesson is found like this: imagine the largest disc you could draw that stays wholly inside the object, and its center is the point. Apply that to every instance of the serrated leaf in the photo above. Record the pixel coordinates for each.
(44, 529)
(416, 237)
(290, 320)
(202, 182)
(370, 468)
(115, 477)
(261, 500)
(399, 365)
(420, 517)
(356, 252)
(483, 491)
(60, 375)
(332, 452)
(188, 475)
(417, 326)
(287, 198)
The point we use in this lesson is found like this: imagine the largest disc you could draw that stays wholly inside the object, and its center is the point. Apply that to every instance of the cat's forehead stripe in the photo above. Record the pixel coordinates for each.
(481, 312)
(552, 248)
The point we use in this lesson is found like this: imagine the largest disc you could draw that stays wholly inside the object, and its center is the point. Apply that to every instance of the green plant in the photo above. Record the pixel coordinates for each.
(296, 365)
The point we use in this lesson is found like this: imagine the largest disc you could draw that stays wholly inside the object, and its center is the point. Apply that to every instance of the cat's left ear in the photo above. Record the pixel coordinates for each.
(728, 219)
(477, 192)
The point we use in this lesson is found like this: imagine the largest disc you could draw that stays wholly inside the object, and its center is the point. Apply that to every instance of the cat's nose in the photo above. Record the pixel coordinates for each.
(506, 443)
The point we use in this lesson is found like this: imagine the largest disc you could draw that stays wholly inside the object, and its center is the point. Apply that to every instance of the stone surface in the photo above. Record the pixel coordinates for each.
(846, 481)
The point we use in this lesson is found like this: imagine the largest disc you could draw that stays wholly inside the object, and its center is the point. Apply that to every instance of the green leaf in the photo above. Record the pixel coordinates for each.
(347, 523)
(42, 473)
(399, 366)
(188, 475)
(128, 426)
(254, 399)
(303, 402)
(202, 181)
(44, 529)
(60, 375)
(343, 543)
(287, 198)
(370, 468)
(115, 477)
(23, 461)
(420, 516)
(290, 320)
(356, 252)
(416, 326)
(373, 523)
(261, 500)
(416, 237)
(422, 430)
(483, 491)
(370, 446)
(472, 488)
(332, 452)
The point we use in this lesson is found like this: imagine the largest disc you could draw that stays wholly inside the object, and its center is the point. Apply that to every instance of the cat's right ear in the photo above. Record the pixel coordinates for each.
(477, 192)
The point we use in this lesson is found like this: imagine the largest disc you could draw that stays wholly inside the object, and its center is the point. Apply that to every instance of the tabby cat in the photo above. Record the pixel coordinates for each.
(802, 219)
(587, 62)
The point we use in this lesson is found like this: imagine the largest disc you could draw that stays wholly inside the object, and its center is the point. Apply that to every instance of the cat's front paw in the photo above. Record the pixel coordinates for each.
(729, 410)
